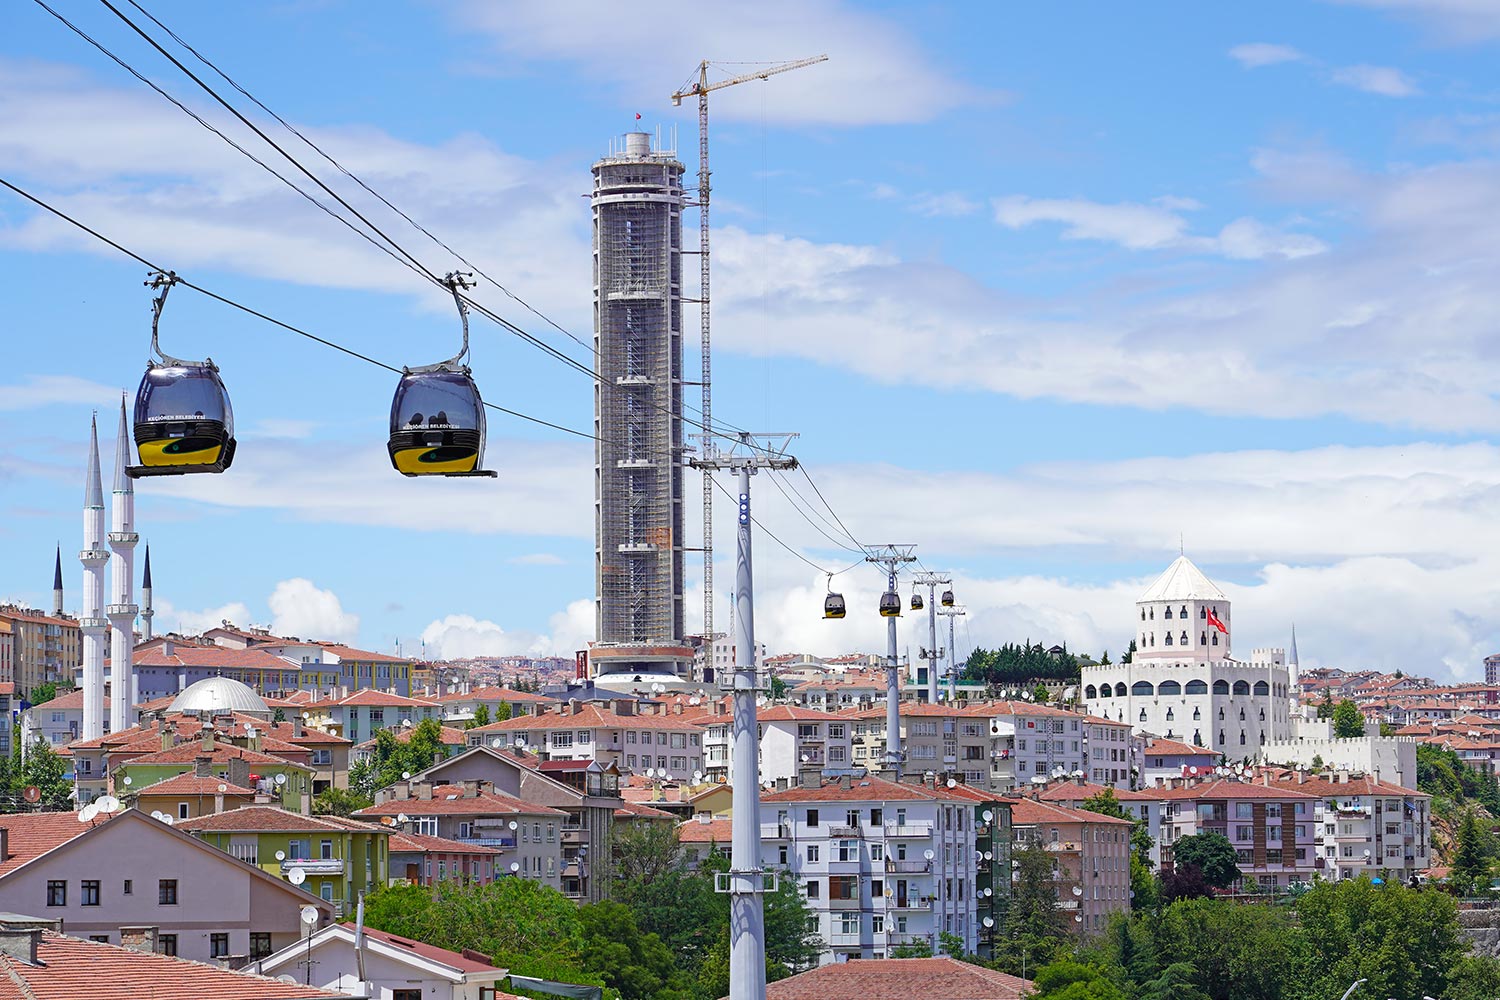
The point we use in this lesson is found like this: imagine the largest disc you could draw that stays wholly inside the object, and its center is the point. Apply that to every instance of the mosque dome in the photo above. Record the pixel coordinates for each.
(217, 696)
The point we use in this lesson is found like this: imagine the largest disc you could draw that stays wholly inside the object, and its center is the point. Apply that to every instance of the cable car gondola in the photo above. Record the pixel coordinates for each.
(890, 604)
(833, 604)
(916, 601)
(183, 421)
(437, 415)
(947, 600)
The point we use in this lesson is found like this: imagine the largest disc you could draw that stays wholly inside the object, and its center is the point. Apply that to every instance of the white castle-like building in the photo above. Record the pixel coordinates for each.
(1184, 683)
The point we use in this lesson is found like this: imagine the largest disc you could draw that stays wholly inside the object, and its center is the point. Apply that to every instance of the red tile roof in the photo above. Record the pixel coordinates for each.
(639, 810)
(212, 657)
(270, 819)
(791, 713)
(370, 698)
(866, 789)
(899, 979)
(451, 736)
(695, 831)
(30, 835)
(188, 783)
(72, 700)
(497, 694)
(69, 968)
(453, 800)
(362, 655)
(1029, 812)
(1176, 748)
(1323, 787)
(1070, 791)
(419, 843)
(189, 752)
(463, 962)
(1224, 789)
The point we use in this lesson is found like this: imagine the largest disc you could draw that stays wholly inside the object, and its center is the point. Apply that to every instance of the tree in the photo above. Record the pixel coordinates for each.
(1129, 653)
(503, 713)
(1212, 854)
(1070, 980)
(339, 802)
(1325, 707)
(1184, 881)
(778, 689)
(1471, 859)
(636, 964)
(1404, 942)
(1240, 952)
(1104, 659)
(1178, 981)
(1348, 722)
(393, 757)
(278, 716)
(1041, 694)
(43, 768)
(48, 690)
(644, 851)
(1035, 928)
(481, 717)
(1474, 977)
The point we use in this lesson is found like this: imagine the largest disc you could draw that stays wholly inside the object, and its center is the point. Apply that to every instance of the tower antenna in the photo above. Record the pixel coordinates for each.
(701, 88)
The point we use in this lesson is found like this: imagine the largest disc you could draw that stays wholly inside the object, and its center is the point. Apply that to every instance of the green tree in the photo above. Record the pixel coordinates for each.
(1070, 980)
(1104, 659)
(1178, 981)
(645, 851)
(43, 768)
(912, 949)
(1130, 652)
(48, 690)
(636, 964)
(1348, 722)
(278, 716)
(778, 689)
(393, 757)
(1471, 857)
(1240, 952)
(481, 717)
(1210, 853)
(1474, 977)
(1041, 694)
(1404, 942)
(1325, 707)
(339, 802)
(508, 919)
(503, 713)
(1035, 929)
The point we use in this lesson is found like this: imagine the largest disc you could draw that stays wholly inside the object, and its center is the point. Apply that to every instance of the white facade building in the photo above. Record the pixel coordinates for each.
(1183, 682)
(793, 741)
(880, 863)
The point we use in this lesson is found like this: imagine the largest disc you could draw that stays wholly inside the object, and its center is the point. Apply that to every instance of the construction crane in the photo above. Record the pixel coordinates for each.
(702, 88)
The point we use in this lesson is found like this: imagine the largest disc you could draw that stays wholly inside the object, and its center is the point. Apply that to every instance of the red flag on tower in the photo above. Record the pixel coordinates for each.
(1213, 620)
(637, 116)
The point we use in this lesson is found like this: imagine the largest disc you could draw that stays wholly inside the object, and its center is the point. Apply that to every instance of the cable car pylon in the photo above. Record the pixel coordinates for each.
(891, 558)
(931, 654)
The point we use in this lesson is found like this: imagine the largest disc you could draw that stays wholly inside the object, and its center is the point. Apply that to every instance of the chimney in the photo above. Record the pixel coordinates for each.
(844, 782)
(239, 772)
(810, 776)
(208, 738)
(20, 941)
(573, 706)
(677, 708)
(167, 649)
(138, 939)
(4, 844)
(471, 788)
(296, 726)
(203, 766)
(1301, 776)
(423, 790)
(1265, 778)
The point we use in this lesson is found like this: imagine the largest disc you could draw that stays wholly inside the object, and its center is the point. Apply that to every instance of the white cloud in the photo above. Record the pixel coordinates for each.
(876, 72)
(38, 391)
(461, 635)
(1256, 54)
(945, 204)
(1248, 239)
(1383, 80)
(300, 608)
(170, 618)
(1457, 21)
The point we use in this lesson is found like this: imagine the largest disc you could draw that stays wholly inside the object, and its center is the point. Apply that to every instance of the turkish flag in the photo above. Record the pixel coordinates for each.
(1213, 620)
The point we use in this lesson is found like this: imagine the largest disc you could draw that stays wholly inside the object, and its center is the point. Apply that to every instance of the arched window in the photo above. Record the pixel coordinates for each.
(1262, 715)
(1143, 715)
(1152, 613)
(1241, 687)
(1197, 738)
(1090, 692)
(1262, 735)
(1242, 737)
(1153, 638)
(1203, 613)
(1169, 715)
(1203, 638)
(1196, 687)
(1184, 638)
(1221, 737)
(1167, 614)
(1184, 611)
(1221, 713)
(1168, 639)
(1242, 715)
(1169, 687)
(1120, 690)
(1142, 689)
(1143, 614)
(1262, 689)
(1221, 686)
(1197, 715)
(1213, 640)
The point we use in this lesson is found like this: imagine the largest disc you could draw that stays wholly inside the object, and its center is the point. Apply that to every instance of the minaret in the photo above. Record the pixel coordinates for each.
(57, 587)
(1294, 676)
(93, 625)
(122, 609)
(146, 613)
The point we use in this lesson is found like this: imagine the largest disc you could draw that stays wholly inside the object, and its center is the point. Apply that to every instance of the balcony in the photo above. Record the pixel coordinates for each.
(846, 831)
(574, 835)
(922, 828)
(501, 843)
(775, 831)
(910, 903)
(1060, 845)
(314, 866)
(917, 867)
(853, 903)
(896, 940)
(840, 940)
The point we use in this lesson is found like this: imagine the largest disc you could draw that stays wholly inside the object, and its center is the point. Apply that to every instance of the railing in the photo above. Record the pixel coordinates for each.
(900, 939)
(775, 831)
(836, 903)
(910, 903)
(905, 867)
(922, 828)
(846, 831)
(504, 842)
(314, 866)
(840, 940)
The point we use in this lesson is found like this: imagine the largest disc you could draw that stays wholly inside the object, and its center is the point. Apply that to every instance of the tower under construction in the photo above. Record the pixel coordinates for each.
(637, 205)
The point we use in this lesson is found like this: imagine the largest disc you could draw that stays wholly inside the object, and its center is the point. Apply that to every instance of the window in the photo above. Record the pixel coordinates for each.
(1168, 614)
(551, 833)
(1221, 686)
(326, 891)
(848, 850)
(260, 944)
(325, 850)
(57, 893)
(166, 895)
(877, 923)
(812, 817)
(166, 944)
(812, 852)
(812, 888)
(90, 893)
(218, 945)
(843, 887)
(413, 995)
(129, 887)
(183, 811)
(100, 938)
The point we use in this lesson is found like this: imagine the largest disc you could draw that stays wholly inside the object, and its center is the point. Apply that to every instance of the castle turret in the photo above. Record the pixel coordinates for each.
(122, 608)
(146, 612)
(93, 624)
(57, 586)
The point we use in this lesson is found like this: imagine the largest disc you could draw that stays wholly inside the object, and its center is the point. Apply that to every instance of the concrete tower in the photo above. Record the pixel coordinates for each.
(93, 624)
(122, 609)
(146, 612)
(637, 205)
(57, 586)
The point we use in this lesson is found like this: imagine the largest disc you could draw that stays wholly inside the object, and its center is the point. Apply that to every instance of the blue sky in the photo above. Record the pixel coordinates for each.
(1043, 290)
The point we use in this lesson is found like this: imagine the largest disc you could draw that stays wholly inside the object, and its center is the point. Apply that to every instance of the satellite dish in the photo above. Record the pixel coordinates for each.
(650, 772)
(988, 892)
(129, 781)
(289, 980)
(405, 723)
(167, 819)
(514, 867)
(223, 787)
(805, 758)
(157, 814)
(403, 818)
(952, 782)
(107, 804)
(250, 732)
(1077, 891)
(697, 776)
(309, 914)
(307, 715)
(988, 815)
(281, 855)
(1078, 918)
(87, 813)
(927, 854)
(989, 921)
(405, 775)
(496, 743)
(296, 876)
(32, 794)
(512, 824)
(281, 779)
(989, 856)
(1193, 769)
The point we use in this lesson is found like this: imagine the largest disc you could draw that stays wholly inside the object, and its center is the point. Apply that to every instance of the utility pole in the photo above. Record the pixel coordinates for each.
(952, 615)
(932, 653)
(890, 558)
(745, 882)
(702, 88)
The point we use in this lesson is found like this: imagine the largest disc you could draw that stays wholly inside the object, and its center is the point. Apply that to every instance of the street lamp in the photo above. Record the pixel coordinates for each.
(1352, 987)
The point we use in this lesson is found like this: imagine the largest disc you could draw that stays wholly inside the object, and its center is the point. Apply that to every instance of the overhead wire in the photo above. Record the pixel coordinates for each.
(776, 482)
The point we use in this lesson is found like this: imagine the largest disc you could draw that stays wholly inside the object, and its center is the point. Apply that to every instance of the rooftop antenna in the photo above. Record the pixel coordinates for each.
(701, 88)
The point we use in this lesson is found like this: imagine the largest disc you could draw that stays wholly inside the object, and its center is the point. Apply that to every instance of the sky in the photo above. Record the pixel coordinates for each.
(1052, 292)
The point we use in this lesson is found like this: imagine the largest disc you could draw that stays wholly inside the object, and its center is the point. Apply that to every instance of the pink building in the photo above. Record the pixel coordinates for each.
(1091, 858)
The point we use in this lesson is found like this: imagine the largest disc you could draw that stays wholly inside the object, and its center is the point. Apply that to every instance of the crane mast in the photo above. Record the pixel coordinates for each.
(702, 88)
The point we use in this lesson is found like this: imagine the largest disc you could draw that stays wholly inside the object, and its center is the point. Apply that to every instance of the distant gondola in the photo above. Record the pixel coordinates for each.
(437, 415)
(947, 599)
(916, 601)
(833, 605)
(183, 420)
(890, 605)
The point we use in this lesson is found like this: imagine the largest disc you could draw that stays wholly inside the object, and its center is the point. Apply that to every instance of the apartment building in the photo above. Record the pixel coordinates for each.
(1364, 826)
(1163, 758)
(1274, 827)
(1147, 806)
(940, 739)
(1090, 858)
(879, 863)
(528, 837)
(43, 647)
(793, 741)
(668, 745)
(360, 715)
(459, 707)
